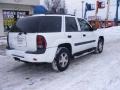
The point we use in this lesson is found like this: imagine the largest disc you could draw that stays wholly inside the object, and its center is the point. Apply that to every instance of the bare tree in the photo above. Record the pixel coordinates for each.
(55, 6)
(62, 8)
(48, 4)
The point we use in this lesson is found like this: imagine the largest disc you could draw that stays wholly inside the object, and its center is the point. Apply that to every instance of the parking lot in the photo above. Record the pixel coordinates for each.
(90, 72)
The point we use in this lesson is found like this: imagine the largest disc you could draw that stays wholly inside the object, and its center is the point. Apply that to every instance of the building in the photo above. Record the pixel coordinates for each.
(11, 10)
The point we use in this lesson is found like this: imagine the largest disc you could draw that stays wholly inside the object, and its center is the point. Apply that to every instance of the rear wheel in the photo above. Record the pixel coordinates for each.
(61, 61)
(99, 48)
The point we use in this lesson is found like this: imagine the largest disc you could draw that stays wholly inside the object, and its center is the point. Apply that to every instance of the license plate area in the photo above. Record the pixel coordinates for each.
(21, 40)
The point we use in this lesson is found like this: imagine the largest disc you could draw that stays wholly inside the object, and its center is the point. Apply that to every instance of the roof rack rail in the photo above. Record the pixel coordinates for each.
(59, 13)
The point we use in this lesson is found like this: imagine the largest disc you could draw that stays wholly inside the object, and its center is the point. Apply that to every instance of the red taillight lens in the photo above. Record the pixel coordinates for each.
(41, 42)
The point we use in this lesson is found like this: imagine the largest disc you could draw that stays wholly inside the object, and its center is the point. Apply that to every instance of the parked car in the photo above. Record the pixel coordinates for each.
(53, 39)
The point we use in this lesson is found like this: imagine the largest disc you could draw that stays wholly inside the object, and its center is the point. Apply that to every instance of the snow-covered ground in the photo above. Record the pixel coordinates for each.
(90, 72)
(3, 43)
(3, 40)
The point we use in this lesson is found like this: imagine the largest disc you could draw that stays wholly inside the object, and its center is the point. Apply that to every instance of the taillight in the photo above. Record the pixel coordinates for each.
(41, 42)
(41, 45)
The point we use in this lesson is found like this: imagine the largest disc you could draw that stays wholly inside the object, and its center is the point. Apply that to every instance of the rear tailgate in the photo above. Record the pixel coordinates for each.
(23, 42)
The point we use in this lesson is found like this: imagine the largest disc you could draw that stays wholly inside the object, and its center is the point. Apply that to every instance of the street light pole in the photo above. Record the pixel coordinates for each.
(82, 9)
(107, 14)
(116, 18)
(108, 9)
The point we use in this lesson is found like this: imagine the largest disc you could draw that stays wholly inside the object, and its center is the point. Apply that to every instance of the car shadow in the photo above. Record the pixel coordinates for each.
(42, 73)
(32, 68)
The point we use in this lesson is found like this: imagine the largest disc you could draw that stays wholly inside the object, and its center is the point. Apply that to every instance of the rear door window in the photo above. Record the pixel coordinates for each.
(40, 24)
(50, 24)
(71, 25)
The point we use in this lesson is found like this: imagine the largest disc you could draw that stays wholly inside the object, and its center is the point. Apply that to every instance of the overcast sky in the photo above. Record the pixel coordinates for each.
(77, 5)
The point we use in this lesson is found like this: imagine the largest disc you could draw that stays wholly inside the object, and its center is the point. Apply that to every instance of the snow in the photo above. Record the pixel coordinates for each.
(3, 40)
(3, 43)
(90, 72)
(112, 34)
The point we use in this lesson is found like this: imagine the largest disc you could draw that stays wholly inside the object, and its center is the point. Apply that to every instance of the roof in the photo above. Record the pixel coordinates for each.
(53, 15)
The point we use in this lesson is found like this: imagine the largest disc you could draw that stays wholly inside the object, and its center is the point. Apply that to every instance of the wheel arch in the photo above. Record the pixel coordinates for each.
(66, 45)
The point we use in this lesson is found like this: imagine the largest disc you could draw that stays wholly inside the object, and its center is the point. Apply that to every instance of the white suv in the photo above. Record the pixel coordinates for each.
(53, 39)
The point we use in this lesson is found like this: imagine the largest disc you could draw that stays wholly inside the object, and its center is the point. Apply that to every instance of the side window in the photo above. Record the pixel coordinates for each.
(50, 24)
(71, 25)
(84, 25)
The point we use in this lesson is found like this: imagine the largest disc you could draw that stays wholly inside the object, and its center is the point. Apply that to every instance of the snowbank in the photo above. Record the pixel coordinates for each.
(111, 34)
(3, 40)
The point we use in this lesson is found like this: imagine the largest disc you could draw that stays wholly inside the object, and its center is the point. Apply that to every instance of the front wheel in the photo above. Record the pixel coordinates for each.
(61, 61)
(99, 48)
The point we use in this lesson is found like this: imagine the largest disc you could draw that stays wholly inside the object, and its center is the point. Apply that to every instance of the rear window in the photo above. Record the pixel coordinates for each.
(38, 24)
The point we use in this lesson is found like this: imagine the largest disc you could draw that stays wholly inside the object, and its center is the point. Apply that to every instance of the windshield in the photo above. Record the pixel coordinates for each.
(38, 24)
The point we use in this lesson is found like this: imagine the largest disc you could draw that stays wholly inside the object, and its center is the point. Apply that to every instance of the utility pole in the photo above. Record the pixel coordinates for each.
(107, 14)
(96, 12)
(96, 9)
(74, 13)
(82, 8)
(108, 9)
(116, 18)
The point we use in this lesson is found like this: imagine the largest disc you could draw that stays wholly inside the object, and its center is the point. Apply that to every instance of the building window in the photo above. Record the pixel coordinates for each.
(10, 17)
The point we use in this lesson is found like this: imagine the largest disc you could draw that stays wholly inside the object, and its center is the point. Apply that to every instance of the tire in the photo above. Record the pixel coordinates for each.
(99, 48)
(62, 59)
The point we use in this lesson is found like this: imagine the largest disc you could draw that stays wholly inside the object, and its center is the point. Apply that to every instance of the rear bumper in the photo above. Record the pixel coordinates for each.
(48, 56)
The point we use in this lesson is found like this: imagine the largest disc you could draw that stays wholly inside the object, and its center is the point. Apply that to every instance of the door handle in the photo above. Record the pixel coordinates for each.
(84, 35)
(69, 36)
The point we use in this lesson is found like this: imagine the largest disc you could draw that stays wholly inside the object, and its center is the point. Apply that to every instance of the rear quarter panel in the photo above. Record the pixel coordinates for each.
(55, 39)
